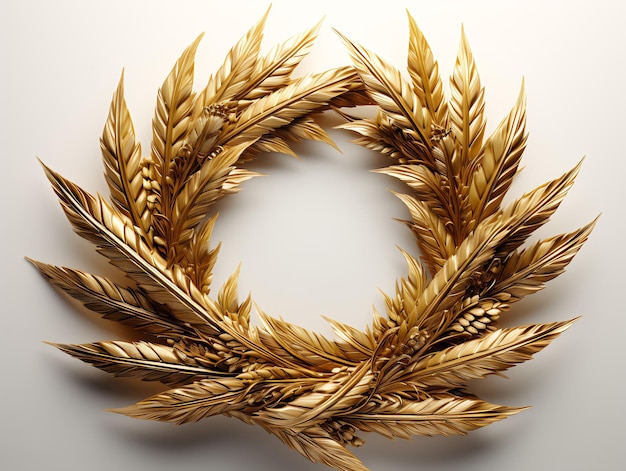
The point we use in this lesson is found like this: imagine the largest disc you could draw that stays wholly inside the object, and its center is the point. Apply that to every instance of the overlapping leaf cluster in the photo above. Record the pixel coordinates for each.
(403, 376)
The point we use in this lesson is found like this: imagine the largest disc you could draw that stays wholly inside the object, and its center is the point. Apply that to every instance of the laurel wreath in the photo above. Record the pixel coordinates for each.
(407, 373)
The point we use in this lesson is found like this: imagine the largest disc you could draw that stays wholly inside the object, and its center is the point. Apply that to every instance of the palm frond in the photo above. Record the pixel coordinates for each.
(121, 304)
(190, 403)
(232, 80)
(490, 354)
(391, 92)
(142, 360)
(274, 70)
(467, 104)
(434, 416)
(424, 72)
(498, 163)
(123, 163)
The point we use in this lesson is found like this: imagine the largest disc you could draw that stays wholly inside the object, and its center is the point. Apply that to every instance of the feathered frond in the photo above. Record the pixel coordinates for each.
(231, 81)
(374, 136)
(467, 104)
(123, 163)
(498, 163)
(449, 284)
(424, 73)
(391, 92)
(143, 360)
(228, 301)
(490, 354)
(308, 347)
(201, 190)
(200, 257)
(124, 305)
(273, 71)
(278, 109)
(533, 209)
(363, 343)
(433, 416)
(528, 271)
(191, 403)
(319, 446)
(433, 239)
(171, 121)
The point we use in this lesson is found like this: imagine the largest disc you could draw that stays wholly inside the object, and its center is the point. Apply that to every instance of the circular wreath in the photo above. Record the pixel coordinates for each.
(407, 373)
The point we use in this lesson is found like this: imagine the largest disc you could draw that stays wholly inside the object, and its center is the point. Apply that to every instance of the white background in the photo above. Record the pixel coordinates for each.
(317, 235)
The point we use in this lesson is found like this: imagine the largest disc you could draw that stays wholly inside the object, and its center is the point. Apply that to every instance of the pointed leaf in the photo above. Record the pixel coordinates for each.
(424, 72)
(529, 212)
(231, 81)
(273, 71)
(124, 305)
(202, 189)
(122, 162)
(190, 403)
(498, 165)
(142, 360)
(318, 446)
(171, 121)
(467, 104)
(527, 271)
(298, 99)
(492, 353)
(433, 416)
(391, 92)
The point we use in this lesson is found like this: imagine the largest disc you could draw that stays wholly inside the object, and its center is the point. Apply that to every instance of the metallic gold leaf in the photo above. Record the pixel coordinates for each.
(467, 104)
(123, 163)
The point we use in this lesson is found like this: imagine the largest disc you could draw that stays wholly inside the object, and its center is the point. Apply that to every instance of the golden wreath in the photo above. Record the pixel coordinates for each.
(407, 373)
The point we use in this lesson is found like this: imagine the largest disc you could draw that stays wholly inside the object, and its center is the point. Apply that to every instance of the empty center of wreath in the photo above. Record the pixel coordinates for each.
(315, 236)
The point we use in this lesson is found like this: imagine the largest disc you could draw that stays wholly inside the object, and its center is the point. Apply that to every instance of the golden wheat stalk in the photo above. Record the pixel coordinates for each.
(407, 373)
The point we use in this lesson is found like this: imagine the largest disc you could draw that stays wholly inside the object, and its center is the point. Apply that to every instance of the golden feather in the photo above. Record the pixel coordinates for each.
(144, 360)
(123, 162)
(424, 72)
(467, 104)
(230, 82)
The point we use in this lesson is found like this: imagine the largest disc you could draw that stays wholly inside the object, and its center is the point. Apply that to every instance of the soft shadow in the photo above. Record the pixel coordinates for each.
(440, 452)
(98, 384)
(214, 439)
